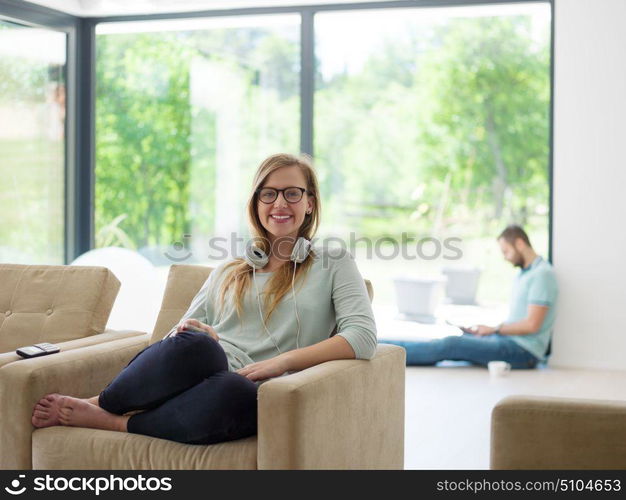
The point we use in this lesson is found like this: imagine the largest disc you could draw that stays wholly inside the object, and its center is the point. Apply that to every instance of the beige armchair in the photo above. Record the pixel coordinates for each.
(336, 415)
(531, 432)
(65, 305)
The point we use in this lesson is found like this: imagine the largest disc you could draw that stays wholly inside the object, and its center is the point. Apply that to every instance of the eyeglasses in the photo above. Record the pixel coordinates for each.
(291, 194)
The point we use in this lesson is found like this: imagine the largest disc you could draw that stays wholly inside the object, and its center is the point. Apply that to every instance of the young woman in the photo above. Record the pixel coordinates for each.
(257, 317)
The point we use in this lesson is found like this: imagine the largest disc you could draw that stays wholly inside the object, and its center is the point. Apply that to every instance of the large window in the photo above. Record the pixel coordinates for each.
(430, 134)
(434, 124)
(32, 144)
(185, 112)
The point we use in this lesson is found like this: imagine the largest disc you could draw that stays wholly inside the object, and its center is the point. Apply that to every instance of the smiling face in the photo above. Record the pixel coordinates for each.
(281, 218)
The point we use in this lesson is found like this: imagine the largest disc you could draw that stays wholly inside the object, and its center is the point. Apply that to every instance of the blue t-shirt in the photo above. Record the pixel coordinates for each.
(537, 285)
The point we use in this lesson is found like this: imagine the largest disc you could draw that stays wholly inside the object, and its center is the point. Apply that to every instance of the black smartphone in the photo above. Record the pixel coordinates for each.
(36, 350)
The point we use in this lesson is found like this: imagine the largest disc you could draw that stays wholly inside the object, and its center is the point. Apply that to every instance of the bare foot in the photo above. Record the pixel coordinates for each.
(80, 413)
(46, 411)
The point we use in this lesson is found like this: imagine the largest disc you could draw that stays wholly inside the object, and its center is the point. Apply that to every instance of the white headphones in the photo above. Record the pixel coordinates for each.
(256, 259)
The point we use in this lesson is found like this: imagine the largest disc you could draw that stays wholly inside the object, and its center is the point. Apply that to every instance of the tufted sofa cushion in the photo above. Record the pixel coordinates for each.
(53, 303)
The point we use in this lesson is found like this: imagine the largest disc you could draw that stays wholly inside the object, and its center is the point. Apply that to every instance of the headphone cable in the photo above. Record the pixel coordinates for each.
(295, 304)
(261, 314)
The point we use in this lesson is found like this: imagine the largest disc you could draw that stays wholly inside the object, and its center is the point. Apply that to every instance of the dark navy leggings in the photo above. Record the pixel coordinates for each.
(187, 392)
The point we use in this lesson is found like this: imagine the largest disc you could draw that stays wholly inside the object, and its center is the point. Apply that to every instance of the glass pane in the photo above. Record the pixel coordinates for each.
(432, 130)
(32, 144)
(186, 110)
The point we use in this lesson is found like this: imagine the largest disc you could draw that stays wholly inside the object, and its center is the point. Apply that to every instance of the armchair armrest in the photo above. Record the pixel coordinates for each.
(344, 414)
(106, 336)
(558, 433)
(80, 372)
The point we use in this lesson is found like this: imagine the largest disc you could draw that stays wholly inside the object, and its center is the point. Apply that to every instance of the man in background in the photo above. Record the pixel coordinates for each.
(524, 338)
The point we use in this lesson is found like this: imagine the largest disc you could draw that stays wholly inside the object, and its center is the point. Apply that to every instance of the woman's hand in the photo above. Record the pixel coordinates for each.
(262, 370)
(194, 324)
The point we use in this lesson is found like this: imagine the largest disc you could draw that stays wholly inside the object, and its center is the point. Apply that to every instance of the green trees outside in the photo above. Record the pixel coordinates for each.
(440, 131)
(32, 150)
(143, 127)
(443, 132)
(489, 92)
(168, 106)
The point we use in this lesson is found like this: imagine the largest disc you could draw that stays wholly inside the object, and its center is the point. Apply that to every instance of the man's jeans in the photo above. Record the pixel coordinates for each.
(466, 347)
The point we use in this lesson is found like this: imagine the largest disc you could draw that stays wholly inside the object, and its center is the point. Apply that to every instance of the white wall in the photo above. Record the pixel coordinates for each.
(590, 183)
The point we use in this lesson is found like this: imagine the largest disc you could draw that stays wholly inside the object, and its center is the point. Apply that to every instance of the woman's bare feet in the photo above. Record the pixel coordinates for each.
(55, 409)
(46, 411)
(80, 413)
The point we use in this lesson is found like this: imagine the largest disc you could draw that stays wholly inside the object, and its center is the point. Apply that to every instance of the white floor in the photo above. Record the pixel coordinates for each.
(448, 408)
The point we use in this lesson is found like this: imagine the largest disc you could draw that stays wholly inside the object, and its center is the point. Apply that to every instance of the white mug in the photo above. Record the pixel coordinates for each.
(498, 368)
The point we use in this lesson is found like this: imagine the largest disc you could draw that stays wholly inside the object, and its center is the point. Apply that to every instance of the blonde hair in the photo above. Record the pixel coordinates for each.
(238, 273)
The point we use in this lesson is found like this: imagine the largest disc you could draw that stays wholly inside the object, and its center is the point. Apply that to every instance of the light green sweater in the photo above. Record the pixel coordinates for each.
(333, 293)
